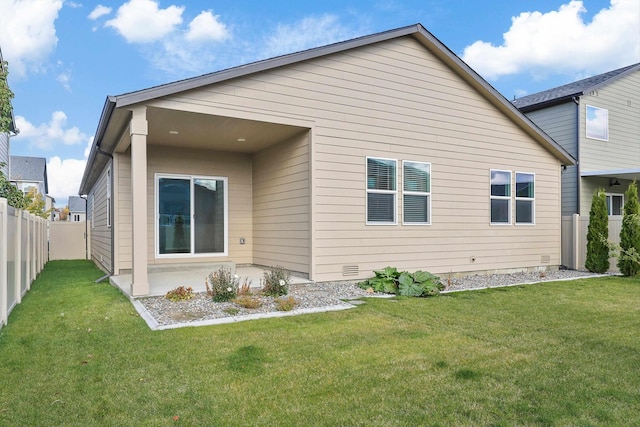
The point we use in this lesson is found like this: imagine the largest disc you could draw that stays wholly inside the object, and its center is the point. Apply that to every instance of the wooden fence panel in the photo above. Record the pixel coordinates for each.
(574, 240)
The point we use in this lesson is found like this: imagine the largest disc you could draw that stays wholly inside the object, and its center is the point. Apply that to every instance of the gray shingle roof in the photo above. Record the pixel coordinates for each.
(76, 204)
(565, 92)
(32, 169)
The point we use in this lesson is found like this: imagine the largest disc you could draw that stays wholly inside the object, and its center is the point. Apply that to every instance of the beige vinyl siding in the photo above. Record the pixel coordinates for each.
(395, 100)
(236, 167)
(281, 205)
(122, 211)
(560, 123)
(100, 233)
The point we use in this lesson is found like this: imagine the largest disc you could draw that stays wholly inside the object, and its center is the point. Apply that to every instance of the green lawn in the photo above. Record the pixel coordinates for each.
(564, 353)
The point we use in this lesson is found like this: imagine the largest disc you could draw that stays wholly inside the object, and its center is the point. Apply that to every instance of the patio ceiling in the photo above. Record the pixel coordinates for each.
(196, 130)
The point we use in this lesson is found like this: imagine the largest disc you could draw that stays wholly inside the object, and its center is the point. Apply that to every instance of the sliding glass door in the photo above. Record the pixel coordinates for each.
(191, 215)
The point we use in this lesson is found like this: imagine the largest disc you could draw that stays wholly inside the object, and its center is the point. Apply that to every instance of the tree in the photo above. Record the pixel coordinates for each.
(14, 196)
(629, 259)
(598, 234)
(6, 116)
(34, 203)
(64, 213)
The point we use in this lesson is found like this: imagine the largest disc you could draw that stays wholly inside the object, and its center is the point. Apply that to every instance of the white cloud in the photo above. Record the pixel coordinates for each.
(64, 176)
(99, 11)
(65, 80)
(310, 32)
(207, 26)
(27, 33)
(142, 21)
(561, 41)
(47, 135)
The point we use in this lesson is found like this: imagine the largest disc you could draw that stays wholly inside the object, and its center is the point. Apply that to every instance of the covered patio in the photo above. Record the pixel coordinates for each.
(163, 278)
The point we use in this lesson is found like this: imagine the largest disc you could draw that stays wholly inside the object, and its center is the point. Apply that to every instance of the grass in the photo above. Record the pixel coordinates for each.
(563, 353)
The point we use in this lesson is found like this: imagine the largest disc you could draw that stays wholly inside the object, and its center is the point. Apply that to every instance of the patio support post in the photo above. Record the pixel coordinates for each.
(139, 131)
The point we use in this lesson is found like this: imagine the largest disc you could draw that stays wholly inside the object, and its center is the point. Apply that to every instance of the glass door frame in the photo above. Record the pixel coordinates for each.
(156, 216)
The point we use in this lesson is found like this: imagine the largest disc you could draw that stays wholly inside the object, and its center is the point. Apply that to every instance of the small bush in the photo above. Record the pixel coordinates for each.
(286, 304)
(597, 260)
(232, 311)
(224, 285)
(630, 233)
(247, 301)
(392, 281)
(245, 288)
(180, 294)
(275, 281)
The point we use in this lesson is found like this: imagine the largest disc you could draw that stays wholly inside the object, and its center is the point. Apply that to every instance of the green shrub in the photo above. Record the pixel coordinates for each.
(275, 281)
(222, 285)
(630, 233)
(391, 281)
(597, 260)
(180, 294)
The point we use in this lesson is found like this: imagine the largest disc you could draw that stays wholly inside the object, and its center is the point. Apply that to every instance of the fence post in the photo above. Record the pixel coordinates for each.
(17, 247)
(4, 247)
(575, 224)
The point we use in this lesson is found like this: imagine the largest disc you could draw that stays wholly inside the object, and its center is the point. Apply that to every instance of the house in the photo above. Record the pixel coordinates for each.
(597, 120)
(31, 172)
(331, 162)
(77, 209)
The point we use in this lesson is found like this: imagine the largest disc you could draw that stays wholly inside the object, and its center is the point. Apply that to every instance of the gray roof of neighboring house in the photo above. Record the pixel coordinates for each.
(32, 169)
(564, 93)
(76, 204)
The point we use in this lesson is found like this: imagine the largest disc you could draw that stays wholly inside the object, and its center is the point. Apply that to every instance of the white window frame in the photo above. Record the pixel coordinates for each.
(609, 199)
(586, 126)
(374, 191)
(525, 199)
(508, 198)
(426, 194)
(156, 226)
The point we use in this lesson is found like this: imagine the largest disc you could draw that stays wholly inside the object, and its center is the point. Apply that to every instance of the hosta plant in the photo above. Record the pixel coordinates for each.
(392, 281)
(180, 293)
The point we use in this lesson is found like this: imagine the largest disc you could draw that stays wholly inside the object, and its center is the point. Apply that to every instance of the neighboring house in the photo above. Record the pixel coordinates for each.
(386, 150)
(597, 120)
(4, 141)
(31, 172)
(77, 209)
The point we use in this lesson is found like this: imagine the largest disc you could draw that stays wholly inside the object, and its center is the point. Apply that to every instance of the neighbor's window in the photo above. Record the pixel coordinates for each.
(417, 192)
(500, 197)
(381, 191)
(597, 123)
(615, 204)
(525, 198)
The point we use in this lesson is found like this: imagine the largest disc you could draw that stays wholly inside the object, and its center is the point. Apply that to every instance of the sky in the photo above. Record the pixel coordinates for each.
(65, 57)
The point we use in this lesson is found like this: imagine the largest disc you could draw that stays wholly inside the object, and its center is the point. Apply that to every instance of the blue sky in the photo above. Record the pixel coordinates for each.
(65, 57)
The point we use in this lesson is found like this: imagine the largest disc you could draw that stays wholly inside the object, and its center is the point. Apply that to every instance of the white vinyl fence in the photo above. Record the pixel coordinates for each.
(574, 240)
(23, 254)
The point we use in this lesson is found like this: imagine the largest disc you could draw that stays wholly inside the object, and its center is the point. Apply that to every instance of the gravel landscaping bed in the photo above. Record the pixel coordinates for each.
(312, 297)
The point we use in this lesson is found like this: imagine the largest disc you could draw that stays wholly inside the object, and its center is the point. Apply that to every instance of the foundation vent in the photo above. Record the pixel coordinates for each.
(350, 270)
(545, 259)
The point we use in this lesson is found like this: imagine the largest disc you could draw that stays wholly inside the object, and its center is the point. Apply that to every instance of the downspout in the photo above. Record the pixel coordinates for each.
(576, 100)
(110, 213)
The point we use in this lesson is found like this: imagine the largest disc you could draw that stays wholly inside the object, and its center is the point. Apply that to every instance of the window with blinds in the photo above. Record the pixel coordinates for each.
(381, 191)
(525, 198)
(416, 197)
(500, 197)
